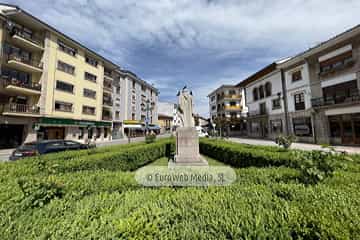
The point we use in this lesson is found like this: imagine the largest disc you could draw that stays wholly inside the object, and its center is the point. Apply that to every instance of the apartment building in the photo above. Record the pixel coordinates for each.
(334, 77)
(265, 101)
(228, 103)
(53, 87)
(140, 99)
(315, 94)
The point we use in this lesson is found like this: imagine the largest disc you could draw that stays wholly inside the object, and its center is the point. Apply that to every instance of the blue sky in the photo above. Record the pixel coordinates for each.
(198, 43)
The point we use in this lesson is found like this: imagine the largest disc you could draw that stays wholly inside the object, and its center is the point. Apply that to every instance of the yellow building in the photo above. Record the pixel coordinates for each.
(52, 87)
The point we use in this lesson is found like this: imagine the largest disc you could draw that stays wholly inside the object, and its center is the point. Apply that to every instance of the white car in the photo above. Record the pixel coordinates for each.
(202, 132)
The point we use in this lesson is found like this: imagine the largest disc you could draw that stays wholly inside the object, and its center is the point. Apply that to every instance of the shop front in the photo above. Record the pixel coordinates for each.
(71, 129)
(345, 129)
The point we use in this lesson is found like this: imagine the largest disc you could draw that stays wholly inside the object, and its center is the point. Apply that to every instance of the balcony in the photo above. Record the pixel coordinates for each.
(232, 96)
(23, 64)
(14, 109)
(107, 74)
(29, 42)
(331, 101)
(16, 86)
(107, 85)
(107, 101)
(233, 108)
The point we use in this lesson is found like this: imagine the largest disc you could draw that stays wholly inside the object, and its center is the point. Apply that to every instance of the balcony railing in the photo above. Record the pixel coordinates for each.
(108, 102)
(232, 96)
(22, 59)
(8, 81)
(34, 40)
(321, 102)
(20, 108)
(233, 108)
(262, 112)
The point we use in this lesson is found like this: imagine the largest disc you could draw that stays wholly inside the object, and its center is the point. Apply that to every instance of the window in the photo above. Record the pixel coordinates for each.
(302, 127)
(88, 110)
(117, 115)
(63, 106)
(213, 98)
(117, 90)
(66, 67)
(299, 101)
(268, 89)
(213, 108)
(63, 86)
(66, 48)
(98, 133)
(143, 88)
(133, 116)
(296, 76)
(81, 133)
(90, 77)
(89, 93)
(261, 92)
(262, 107)
(91, 61)
(233, 104)
(133, 84)
(276, 126)
(336, 63)
(255, 94)
(106, 132)
(276, 104)
(232, 92)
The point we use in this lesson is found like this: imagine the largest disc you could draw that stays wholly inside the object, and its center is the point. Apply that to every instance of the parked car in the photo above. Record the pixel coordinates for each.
(46, 146)
(201, 132)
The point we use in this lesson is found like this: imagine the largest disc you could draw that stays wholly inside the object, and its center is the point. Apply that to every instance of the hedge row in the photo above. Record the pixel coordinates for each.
(239, 155)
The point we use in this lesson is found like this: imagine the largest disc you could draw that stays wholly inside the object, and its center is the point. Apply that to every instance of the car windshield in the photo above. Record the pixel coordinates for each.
(27, 146)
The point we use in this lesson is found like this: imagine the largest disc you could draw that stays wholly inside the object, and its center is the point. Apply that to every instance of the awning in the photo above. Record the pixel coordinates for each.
(134, 126)
(72, 122)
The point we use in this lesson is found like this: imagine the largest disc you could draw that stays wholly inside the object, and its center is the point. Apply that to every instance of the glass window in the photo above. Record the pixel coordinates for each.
(88, 110)
(268, 89)
(261, 92)
(81, 133)
(90, 77)
(276, 104)
(296, 76)
(66, 67)
(63, 86)
(335, 129)
(255, 94)
(299, 100)
(66, 48)
(89, 93)
(63, 106)
(91, 61)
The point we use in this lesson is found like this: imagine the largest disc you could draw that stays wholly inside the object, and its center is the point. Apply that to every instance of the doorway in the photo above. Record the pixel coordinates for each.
(54, 133)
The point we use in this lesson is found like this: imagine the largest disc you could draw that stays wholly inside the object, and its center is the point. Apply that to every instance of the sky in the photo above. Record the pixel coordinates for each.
(199, 43)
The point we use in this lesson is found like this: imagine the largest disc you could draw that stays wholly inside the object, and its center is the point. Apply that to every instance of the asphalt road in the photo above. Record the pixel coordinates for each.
(5, 154)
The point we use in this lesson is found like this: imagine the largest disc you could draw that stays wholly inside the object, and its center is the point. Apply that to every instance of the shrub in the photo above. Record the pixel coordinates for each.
(285, 141)
(150, 138)
(38, 192)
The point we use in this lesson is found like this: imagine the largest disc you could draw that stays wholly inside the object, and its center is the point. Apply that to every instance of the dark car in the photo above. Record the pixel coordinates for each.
(46, 146)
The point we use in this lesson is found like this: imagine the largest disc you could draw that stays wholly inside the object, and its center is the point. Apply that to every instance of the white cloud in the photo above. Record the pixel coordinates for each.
(183, 28)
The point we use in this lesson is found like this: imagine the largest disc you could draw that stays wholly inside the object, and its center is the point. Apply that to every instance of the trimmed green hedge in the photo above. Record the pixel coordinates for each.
(240, 155)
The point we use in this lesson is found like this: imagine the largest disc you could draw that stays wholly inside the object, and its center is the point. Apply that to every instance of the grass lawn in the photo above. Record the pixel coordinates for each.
(93, 195)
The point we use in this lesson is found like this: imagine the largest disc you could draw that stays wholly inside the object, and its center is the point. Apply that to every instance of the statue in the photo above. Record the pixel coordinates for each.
(185, 108)
(187, 140)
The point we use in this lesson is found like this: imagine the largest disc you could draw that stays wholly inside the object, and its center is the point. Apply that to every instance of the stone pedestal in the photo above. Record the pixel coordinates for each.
(187, 148)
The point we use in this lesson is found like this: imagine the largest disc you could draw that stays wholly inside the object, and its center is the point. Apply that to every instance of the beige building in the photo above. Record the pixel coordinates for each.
(227, 104)
(53, 87)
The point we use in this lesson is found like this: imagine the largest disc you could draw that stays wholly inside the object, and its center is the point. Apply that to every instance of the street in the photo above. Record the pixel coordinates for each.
(5, 153)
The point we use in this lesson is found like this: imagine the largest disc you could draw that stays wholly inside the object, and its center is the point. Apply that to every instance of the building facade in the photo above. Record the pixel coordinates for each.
(227, 104)
(166, 116)
(316, 92)
(53, 87)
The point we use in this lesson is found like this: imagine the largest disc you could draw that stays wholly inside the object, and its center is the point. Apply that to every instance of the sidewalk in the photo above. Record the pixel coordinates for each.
(300, 146)
(5, 153)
